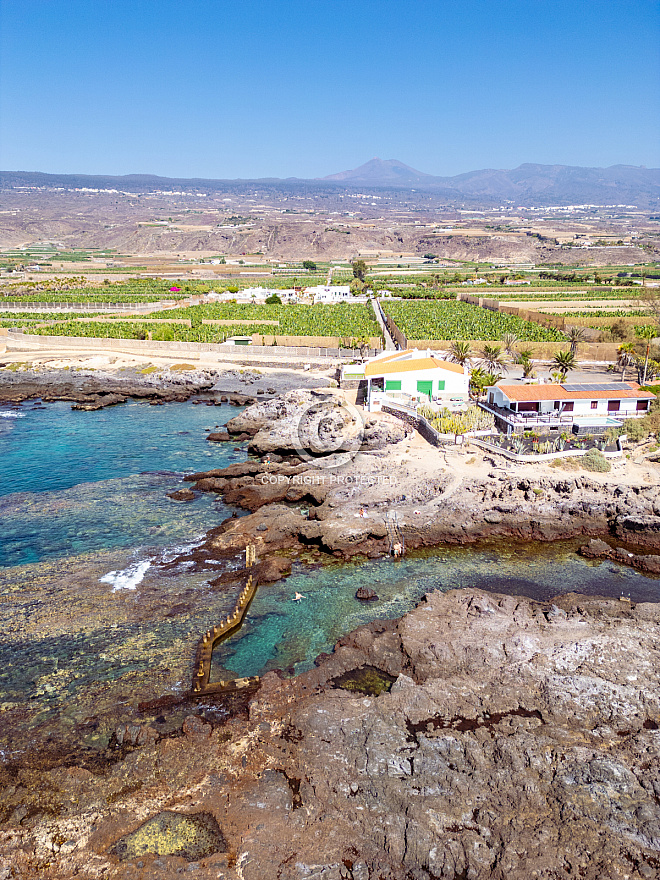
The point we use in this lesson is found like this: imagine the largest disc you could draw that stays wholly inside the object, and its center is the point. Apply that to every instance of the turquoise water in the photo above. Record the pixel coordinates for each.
(91, 622)
(281, 633)
(52, 447)
(77, 481)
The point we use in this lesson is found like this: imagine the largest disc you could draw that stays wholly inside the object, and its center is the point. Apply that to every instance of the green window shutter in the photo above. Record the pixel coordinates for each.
(425, 387)
(441, 384)
(393, 385)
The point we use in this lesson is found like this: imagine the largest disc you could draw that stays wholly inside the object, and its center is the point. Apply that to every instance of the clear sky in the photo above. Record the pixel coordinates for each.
(258, 88)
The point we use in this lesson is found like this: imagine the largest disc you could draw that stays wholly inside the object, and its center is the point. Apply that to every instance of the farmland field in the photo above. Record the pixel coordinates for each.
(344, 321)
(458, 320)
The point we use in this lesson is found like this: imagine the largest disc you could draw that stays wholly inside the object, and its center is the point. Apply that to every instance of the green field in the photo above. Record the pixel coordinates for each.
(344, 321)
(458, 320)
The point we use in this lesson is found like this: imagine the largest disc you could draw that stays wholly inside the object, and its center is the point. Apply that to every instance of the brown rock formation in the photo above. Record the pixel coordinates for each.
(518, 740)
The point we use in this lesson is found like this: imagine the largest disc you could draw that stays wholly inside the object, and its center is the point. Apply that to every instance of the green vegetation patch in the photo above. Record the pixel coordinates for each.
(173, 834)
(323, 319)
(446, 422)
(595, 461)
(366, 680)
(458, 320)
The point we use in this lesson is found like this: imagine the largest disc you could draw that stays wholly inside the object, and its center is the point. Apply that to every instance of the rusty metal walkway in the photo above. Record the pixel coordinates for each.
(201, 683)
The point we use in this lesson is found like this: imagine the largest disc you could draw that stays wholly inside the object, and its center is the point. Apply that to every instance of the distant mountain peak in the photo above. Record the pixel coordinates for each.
(376, 171)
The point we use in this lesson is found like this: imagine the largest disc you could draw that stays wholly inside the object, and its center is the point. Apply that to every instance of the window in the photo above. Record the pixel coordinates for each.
(568, 406)
(393, 385)
(642, 405)
(594, 404)
(441, 384)
(613, 405)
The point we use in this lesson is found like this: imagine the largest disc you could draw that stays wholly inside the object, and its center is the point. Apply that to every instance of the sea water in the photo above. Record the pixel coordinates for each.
(94, 622)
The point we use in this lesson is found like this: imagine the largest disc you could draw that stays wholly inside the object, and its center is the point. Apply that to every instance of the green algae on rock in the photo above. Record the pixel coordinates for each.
(365, 680)
(173, 834)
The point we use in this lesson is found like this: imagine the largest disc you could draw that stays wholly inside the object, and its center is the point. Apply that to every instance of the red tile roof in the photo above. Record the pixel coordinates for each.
(557, 392)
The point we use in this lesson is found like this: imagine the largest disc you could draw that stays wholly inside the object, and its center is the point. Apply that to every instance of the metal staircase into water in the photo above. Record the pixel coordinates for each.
(395, 534)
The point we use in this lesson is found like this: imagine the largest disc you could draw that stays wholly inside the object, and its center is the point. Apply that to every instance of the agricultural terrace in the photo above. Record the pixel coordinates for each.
(78, 291)
(346, 321)
(322, 319)
(458, 320)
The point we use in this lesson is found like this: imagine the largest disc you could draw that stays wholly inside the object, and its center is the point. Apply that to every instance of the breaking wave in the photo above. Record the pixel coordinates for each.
(128, 578)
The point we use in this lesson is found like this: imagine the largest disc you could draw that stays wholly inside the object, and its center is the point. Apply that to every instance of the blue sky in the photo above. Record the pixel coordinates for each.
(255, 88)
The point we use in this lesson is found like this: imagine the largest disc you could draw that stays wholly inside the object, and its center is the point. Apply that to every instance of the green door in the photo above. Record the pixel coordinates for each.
(425, 387)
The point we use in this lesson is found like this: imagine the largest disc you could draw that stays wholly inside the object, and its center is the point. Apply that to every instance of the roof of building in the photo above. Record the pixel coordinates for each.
(554, 391)
(408, 361)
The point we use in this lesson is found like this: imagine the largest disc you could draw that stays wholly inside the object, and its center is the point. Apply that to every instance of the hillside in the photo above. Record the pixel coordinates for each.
(528, 184)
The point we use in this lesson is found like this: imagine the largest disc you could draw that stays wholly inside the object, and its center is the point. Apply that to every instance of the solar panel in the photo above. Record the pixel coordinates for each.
(603, 386)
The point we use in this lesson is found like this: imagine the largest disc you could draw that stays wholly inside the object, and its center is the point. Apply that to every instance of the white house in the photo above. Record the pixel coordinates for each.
(586, 408)
(330, 293)
(417, 375)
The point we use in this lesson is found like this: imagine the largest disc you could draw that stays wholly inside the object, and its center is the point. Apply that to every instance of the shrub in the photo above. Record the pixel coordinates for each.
(595, 461)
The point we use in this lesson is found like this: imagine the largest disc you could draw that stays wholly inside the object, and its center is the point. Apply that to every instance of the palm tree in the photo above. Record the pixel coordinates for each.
(565, 362)
(478, 381)
(509, 341)
(647, 332)
(459, 353)
(528, 367)
(575, 336)
(625, 357)
(491, 358)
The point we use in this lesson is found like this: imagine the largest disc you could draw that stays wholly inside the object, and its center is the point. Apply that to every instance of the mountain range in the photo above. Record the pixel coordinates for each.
(528, 184)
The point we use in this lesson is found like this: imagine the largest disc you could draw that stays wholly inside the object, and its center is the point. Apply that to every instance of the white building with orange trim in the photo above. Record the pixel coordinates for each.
(584, 408)
(416, 375)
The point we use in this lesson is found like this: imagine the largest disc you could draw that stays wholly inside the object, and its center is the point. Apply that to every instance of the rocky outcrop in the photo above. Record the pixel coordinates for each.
(347, 509)
(318, 421)
(480, 736)
(597, 549)
(92, 392)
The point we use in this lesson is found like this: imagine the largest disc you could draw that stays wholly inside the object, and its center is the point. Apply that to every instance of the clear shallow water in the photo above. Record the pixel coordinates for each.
(281, 633)
(52, 447)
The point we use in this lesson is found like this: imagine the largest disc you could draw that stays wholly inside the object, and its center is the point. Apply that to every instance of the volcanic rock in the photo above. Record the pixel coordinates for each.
(182, 495)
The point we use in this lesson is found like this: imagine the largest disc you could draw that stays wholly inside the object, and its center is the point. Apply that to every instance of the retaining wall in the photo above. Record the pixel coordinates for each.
(190, 350)
(336, 342)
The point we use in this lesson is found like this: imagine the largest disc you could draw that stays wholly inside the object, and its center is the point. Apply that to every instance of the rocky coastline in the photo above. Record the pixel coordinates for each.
(479, 736)
(296, 504)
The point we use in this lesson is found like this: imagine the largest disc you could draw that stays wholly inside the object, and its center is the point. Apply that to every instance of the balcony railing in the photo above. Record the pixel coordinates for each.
(528, 418)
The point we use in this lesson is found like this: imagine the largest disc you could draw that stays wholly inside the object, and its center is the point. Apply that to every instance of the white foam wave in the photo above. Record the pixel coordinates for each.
(11, 415)
(171, 553)
(128, 578)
